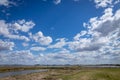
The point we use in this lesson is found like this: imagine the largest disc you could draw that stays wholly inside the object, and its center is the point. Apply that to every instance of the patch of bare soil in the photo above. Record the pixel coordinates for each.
(34, 76)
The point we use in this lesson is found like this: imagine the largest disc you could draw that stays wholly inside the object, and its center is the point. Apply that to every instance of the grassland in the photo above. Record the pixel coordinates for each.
(11, 68)
(71, 73)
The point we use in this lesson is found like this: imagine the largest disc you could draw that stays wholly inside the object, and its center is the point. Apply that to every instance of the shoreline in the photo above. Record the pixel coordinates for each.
(70, 73)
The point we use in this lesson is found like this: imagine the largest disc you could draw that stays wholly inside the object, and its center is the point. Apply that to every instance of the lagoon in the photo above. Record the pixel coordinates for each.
(14, 73)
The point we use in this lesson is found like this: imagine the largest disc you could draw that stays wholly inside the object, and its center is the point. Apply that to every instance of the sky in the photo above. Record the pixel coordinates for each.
(59, 32)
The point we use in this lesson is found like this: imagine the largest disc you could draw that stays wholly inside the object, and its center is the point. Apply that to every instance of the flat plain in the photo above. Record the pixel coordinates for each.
(65, 73)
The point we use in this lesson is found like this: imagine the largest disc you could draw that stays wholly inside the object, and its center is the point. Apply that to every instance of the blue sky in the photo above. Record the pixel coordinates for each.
(59, 31)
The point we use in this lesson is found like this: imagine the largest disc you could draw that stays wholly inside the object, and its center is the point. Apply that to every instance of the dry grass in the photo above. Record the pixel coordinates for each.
(71, 73)
(33, 76)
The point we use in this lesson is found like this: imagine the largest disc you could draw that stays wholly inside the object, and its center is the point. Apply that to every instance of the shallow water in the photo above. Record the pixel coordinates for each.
(13, 73)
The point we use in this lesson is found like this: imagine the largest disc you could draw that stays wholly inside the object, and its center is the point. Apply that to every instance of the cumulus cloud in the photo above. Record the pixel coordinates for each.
(17, 37)
(60, 44)
(86, 57)
(84, 44)
(6, 2)
(57, 1)
(38, 48)
(40, 38)
(62, 57)
(116, 2)
(79, 35)
(4, 28)
(103, 3)
(106, 24)
(11, 30)
(100, 43)
(23, 25)
(104, 36)
(5, 45)
(17, 57)
(56, 58)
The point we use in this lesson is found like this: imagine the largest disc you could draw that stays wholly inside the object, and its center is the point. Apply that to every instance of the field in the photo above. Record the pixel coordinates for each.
(68, 73)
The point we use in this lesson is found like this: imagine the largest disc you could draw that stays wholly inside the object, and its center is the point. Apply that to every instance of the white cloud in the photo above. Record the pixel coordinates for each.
(116, 2)
(11, 30)
(6, 2)
(100, 43)
(5, 45)
(104, 34)
(60, 44)
(23, 25)
(57, 1)
(4, 28)
(39, 37)
(106, 3)
(56, 58)
(84, 44)
(38, 48)
(103, 3)
(13, 36)
(117, 15)
(86, 57)
(62, 57)
(79, 35)
(106, 23)
(17, 57)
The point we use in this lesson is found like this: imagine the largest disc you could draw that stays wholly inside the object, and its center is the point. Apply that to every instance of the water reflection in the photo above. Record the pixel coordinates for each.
(6, 74)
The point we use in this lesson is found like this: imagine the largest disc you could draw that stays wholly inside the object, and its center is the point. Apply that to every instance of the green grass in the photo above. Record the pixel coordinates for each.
(8, 69)
(87, 74)
(94, 74)
(70, 73)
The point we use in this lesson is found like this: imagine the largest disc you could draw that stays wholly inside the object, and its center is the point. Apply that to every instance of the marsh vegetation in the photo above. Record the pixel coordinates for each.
(68, 73)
